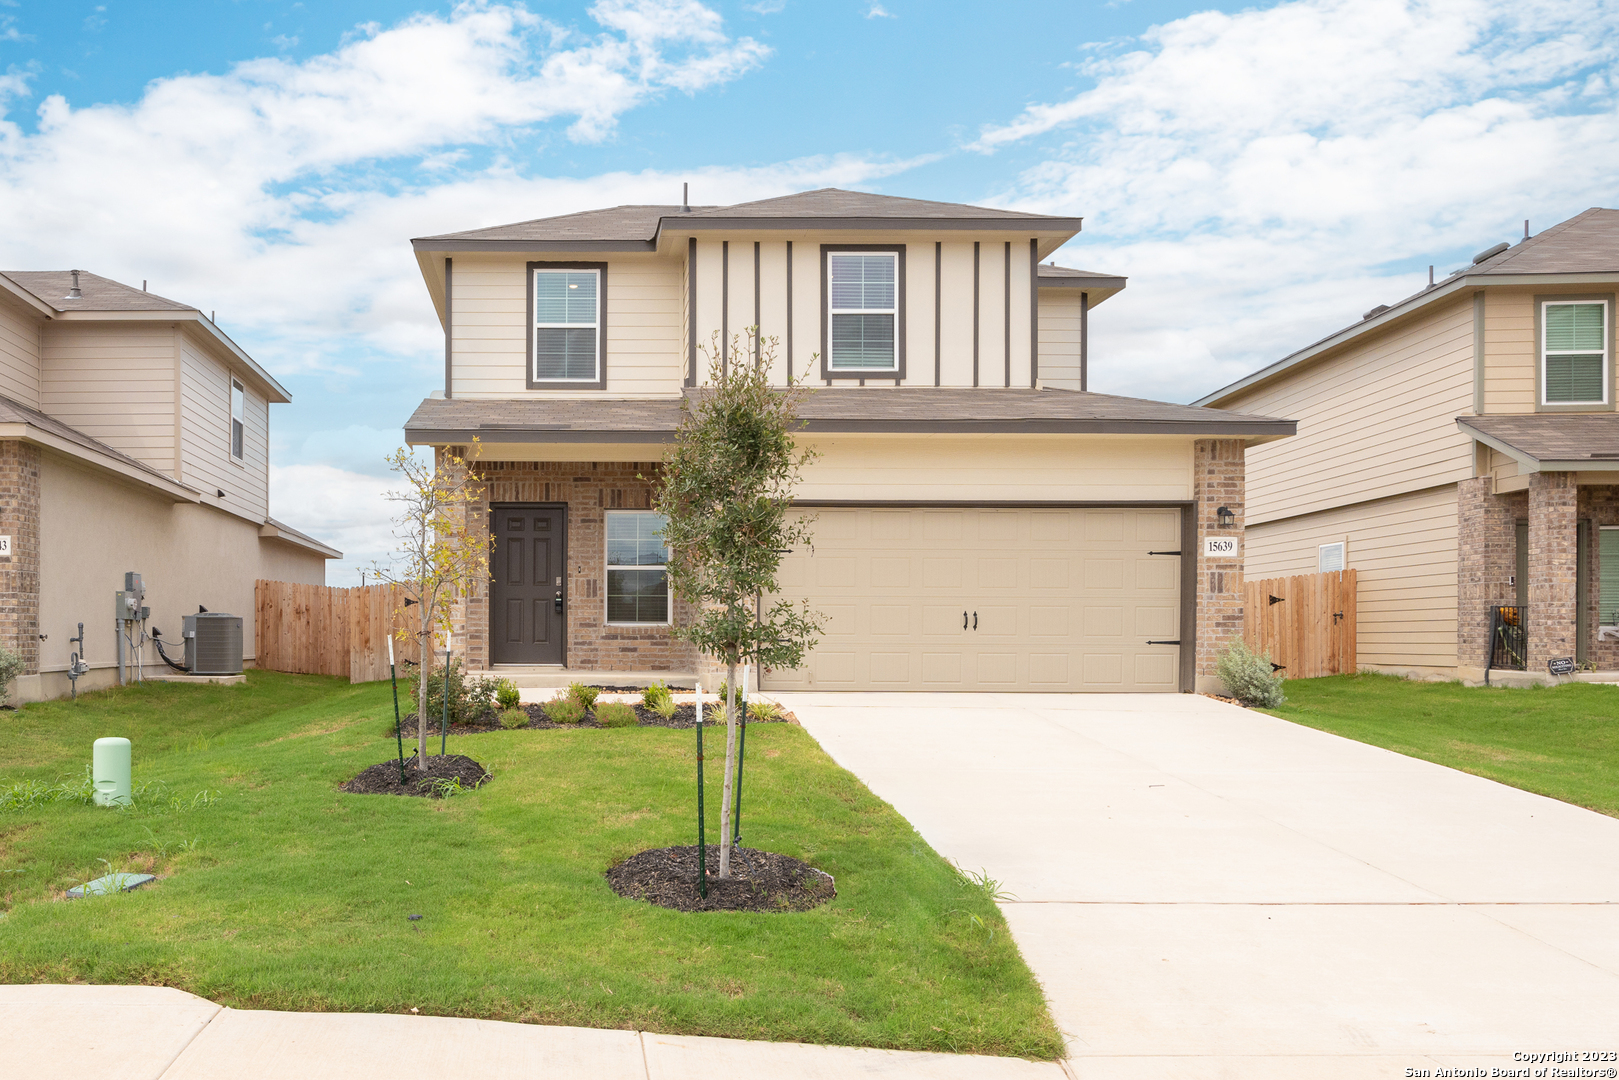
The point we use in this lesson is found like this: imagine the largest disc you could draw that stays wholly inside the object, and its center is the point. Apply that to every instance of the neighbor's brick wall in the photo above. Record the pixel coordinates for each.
(1598, 504)
(1553, 506)
(19, 572)
(1486, 560)
(1217, 480)
(589, 489)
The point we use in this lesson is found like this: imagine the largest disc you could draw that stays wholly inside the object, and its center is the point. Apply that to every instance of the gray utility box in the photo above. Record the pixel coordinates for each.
(213, 643)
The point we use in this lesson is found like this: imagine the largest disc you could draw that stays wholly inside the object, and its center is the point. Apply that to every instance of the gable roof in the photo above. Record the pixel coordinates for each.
(638, 227)
(1587, 244)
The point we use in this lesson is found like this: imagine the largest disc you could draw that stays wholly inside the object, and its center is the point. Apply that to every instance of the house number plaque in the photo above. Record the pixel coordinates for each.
(1219, 547)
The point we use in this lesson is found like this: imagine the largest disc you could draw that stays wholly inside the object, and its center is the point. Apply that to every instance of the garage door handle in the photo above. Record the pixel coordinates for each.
(1163, 553)
(1163, 642)
(964, 620)
(975, 620)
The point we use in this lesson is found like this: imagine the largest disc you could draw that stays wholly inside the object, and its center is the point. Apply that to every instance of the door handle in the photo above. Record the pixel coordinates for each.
(1175, 642)
(975, 620)
(559, 603)
(964, 620)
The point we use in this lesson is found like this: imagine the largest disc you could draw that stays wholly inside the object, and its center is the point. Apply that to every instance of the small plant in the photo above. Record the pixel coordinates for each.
(30, 794)
(612, 714)
(584, 695)
(448, 789)
(513, 718)
(655, 695)
(1250, 677)
(11, 665)
(763, 712)
(470, 697)
(665, 709)
(507, 696)
(985, 884)
(563, 711)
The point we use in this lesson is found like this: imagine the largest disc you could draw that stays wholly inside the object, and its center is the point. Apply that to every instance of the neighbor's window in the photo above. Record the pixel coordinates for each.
(1574, 353)
(238, 415)
(637, 574)
(567, 327)
(863, 310)
(1330, 557)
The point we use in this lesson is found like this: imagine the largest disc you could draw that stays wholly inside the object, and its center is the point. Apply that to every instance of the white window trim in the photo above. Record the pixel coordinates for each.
(230, 435)
(596, 324)
(1607, 351)
(1321, 550)
(833, 312)
(610, 566)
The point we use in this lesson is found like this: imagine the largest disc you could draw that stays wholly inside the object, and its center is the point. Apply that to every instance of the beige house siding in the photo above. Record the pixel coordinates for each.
(1059, 338)
(20, 335)
(1373, 423)
(1404, 550)
(1509, 335)
(114, 383)
(205, 458)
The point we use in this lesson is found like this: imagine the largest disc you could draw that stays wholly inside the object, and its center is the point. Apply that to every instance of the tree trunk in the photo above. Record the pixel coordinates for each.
(730, 765)
(425, 669)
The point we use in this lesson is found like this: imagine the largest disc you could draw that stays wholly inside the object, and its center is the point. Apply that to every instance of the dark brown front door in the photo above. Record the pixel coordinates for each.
(527, 598)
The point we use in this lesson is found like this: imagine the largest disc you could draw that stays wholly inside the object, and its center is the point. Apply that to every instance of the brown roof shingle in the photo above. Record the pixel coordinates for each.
(1581, 438)
(99, 293)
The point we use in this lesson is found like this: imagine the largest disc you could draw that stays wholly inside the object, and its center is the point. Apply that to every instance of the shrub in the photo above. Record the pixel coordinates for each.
(513, 718)
(584, 695)
(11, 665)
(665, 709)
(1249, 677)
(764, 711)
(564, 710)
(655, 695)
(507, 695)
(470, 698)
(612, 714)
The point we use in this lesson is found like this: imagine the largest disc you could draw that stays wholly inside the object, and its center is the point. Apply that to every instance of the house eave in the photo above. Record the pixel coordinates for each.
(101, 462)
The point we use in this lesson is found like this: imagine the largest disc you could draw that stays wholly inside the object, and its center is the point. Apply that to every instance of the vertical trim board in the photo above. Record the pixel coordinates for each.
(691, 310)
(449, 325)
(976, 284)
(938, 296)
(1034, 313)
(1006, 316)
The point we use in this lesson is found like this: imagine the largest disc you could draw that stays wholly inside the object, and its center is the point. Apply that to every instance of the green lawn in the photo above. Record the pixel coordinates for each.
(287, 894)
(1559, 741)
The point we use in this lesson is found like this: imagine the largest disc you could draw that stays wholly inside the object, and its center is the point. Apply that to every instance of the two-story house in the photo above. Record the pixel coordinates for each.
(1460, 450)
(134, 436)
(981, 521)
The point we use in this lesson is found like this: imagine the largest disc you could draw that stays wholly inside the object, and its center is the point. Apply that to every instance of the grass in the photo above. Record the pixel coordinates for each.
(1558, 741)
(278, 891)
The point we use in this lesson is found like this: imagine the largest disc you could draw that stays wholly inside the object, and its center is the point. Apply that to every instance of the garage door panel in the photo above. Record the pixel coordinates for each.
(1065, 599)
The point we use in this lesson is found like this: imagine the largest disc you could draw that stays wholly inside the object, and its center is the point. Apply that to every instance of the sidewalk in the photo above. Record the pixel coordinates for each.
(156, 1033)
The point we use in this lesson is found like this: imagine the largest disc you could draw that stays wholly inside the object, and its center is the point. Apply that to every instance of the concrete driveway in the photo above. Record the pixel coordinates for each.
(1206, 891)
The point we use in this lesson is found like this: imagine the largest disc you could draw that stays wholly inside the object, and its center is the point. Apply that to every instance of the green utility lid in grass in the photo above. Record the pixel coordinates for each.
(112, 883)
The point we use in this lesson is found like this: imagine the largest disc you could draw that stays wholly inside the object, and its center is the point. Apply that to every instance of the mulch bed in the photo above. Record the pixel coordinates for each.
(383, 777)
(760, 881)
(685, 716)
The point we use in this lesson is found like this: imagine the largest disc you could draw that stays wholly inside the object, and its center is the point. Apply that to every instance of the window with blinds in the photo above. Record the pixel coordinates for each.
(238, 419)
(1608, 576)
(1574, 351)
(863, 310)
(567, 326)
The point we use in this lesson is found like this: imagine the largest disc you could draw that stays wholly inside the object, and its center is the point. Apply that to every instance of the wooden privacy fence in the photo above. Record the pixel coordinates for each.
(324, 630)
(1306, 623)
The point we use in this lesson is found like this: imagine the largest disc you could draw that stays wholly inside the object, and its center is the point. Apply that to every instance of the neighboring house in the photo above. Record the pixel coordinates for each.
(981, 523)
(134, 435)
(1460, 450)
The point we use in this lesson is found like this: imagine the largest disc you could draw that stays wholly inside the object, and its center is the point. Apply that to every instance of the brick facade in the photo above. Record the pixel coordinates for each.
(1553, 506)
(588, 489)
(1599, 505)
(19, 571)
(1218, 479)
(1487, 558)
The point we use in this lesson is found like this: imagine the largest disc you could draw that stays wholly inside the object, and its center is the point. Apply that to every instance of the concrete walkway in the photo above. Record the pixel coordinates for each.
(1205, 891)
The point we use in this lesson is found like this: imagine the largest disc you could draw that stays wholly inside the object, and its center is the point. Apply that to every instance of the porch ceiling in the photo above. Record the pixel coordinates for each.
(1551, 442)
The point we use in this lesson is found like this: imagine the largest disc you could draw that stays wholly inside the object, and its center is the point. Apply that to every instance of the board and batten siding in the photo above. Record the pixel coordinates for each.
(1060, 325)
(20, 336)
(646, 342)
(1404, 551)
(205, 458)
(1374, 421)
(115, 383)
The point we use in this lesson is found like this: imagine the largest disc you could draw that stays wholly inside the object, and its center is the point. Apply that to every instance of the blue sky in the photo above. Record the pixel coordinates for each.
(1263, 174)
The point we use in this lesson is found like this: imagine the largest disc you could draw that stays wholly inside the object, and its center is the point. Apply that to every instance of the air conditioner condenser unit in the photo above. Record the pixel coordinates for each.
(213, 643)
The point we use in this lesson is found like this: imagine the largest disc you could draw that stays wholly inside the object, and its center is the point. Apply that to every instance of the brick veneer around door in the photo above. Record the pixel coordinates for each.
(19, 572)
(589, 489)
(1218, 479)
(1598, 504)
(1553, 505)
(1486, 560)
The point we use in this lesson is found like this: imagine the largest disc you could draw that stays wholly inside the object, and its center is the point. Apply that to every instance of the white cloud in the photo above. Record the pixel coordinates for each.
(1264, 177)
(877, 11)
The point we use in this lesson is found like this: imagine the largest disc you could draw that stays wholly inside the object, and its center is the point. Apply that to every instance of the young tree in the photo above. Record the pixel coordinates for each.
(726, 495)
(441, 552)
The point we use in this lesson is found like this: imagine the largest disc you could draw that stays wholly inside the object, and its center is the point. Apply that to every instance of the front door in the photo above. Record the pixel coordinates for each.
(527, 597)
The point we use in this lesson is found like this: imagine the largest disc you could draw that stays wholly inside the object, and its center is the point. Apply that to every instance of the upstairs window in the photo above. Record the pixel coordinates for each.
(238, 416)
(637, 568)
(1574, 353)
(567, 330)
(863, 311)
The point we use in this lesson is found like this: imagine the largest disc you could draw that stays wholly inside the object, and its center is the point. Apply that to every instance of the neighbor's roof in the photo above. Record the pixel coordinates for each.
(279, 530)
(52, 431)
(1551, 442)
(636, 228)
(1584, 245)
(106, 297)
(1097, 286)
(920, 410)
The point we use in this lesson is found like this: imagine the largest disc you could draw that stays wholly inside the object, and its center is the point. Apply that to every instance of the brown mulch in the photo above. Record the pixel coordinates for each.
(685, 716)
(760, 881)
(383, 777)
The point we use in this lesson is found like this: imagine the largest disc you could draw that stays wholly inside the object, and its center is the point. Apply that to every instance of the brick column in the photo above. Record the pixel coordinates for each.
(1553, 557)
(1217, 480)
(19, 571)
(1487, 559)
(469, 611)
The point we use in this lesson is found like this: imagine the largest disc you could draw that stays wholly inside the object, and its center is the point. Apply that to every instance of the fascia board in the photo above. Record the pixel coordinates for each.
(274, 392)
(433, 277)
(1066, 227)
(269, 531)
(26, 298)
(1256, 430)
(103, 462)
(537, 246)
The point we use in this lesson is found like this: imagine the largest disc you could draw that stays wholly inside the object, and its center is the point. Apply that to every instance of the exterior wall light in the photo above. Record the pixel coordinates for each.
(1227, 517)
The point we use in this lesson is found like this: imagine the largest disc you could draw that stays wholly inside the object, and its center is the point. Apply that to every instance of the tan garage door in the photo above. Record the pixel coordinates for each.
(990, 599)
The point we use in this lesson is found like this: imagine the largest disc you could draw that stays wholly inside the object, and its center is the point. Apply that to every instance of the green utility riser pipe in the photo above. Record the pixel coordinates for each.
(702, 847)
(109, 771)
